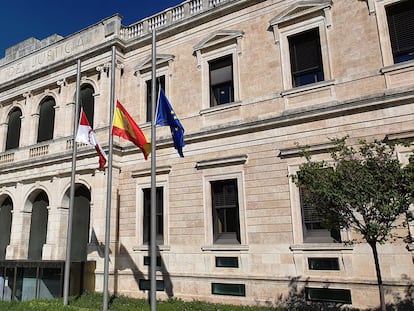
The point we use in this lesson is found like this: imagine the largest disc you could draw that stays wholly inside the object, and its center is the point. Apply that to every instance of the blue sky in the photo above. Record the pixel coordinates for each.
(22, 19)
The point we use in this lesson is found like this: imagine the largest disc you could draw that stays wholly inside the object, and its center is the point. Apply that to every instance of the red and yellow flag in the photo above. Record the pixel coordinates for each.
(124, 126)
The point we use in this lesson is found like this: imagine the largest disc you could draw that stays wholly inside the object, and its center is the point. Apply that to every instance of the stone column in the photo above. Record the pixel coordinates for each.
(3, 136)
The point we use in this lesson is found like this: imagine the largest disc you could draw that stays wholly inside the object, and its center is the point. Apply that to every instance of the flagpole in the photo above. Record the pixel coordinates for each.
(109, 186)
(153, 253)
(72, 191)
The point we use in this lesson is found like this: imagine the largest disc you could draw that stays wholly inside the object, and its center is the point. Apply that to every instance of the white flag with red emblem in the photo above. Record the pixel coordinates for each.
(86, 135)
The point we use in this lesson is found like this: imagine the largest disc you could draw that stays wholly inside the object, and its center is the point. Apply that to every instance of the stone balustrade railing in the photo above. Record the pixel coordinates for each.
(173, 15)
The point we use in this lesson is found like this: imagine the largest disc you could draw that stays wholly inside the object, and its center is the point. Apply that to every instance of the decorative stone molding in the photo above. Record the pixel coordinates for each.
(61, 83)
(241, 159)
(160, 60)
(147, 171)
(300, 10)
(217, 38)
(103, 68)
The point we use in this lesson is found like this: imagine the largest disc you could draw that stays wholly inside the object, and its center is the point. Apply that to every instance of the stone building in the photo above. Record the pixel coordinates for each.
(248, 80)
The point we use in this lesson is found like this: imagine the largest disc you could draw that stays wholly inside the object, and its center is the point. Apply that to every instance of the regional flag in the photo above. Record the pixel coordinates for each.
(86, 135)
(167, 117)
(124, 126)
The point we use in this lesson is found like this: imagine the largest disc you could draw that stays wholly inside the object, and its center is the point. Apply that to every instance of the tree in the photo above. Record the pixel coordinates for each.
(364, 188)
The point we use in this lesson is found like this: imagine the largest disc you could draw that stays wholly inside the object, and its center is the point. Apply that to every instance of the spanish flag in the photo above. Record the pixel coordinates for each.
(124, 126)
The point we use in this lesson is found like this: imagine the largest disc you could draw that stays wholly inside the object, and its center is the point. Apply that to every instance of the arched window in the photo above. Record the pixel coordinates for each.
(81, 221)
(5, 225)
(88, 102)
(46, 120)
(13, 129)
(38, 226)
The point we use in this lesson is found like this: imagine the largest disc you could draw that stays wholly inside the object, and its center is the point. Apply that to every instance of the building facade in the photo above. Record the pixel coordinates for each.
(249, 81)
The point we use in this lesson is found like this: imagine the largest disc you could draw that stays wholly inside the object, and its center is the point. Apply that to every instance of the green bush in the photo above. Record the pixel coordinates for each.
(93, 301)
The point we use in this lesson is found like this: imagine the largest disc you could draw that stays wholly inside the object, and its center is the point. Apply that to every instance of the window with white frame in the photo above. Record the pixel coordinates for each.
(308, 225)
(400, 18)
(221, 81)
(395, 19)
(217, 58)
(223, 202)
(314, 230)
(144, 74)
(159, 215)
(305, 58)
(225, 211)
(143, 204)
(160, 81)
(300, 31)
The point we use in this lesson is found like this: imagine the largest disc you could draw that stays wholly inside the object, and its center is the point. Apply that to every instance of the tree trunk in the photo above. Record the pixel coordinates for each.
(373, 245)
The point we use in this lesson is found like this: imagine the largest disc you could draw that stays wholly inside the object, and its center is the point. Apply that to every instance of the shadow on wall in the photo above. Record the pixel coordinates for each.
(124, 261)
(297, 300)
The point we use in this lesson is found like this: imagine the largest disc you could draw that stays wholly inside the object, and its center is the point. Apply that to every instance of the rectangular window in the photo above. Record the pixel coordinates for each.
(227, 262)
(323, 263)
(226, 223)
(314, 231)
(221, 81)
(160, 81)
(328, 295)
(159, 215)
(228, 289)
(147, 261)
(146, 285)
(306, 58)
(401, 28)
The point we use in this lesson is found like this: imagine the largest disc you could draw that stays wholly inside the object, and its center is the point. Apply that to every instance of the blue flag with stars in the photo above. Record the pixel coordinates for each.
(166, 117)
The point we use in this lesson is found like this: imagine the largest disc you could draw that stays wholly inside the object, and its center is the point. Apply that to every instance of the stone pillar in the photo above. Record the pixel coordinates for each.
(3, 136)
(19, 239)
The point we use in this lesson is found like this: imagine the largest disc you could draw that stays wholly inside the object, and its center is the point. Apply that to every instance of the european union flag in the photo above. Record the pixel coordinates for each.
(166, 117)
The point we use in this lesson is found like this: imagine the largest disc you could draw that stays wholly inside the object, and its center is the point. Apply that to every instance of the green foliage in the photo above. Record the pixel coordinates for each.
(93, 301)
(364, 188)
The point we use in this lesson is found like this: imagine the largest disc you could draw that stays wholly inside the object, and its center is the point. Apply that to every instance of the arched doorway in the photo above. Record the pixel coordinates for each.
(38, 226)
(81, 276)
(6, 208)
(81, 223)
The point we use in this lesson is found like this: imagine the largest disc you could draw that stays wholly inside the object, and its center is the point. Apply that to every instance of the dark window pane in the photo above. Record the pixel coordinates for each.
(88, 102)
(323, 263)
(221, 81)
(6, 209)
(328, 295)
(226, 223)
(159, 215)
(401, 29)
(38, 226)
(306, 58)
(227, 262)
(46, 120)
(13, 129)
(160, 81)
(49, 283)
(228, 289)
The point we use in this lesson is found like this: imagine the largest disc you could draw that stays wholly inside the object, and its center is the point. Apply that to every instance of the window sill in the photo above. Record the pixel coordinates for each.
(321, 247)
(398, 66)
(225, 248)
(220, 108)
(308, 87)
(145, 248)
